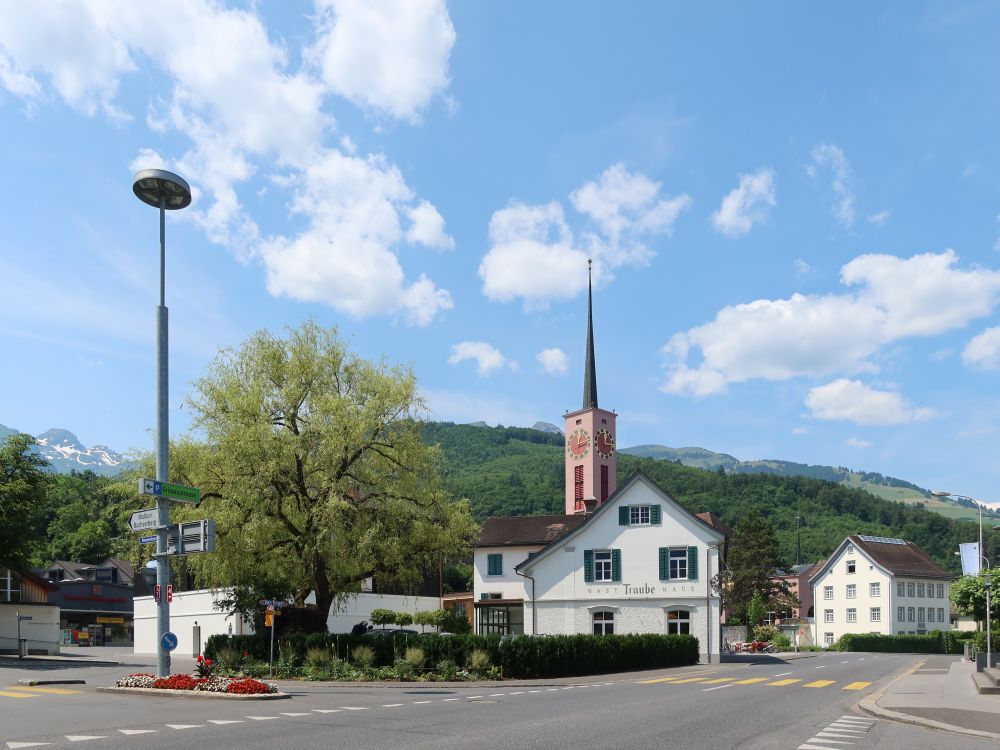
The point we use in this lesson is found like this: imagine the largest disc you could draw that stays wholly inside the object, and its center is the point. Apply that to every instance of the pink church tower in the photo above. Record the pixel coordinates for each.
(591, 461)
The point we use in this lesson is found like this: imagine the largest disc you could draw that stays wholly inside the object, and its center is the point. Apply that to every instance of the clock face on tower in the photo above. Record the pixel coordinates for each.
(578, 443)
(605, 444)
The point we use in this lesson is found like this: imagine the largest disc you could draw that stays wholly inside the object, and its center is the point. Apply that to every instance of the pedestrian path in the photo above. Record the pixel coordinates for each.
(731, 680)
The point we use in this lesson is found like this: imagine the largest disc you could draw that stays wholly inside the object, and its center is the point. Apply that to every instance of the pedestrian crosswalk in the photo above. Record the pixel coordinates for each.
(844, 731)
(714, 679)
(16, 692)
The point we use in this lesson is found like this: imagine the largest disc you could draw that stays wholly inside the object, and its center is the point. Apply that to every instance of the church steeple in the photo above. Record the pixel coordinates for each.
(590, 369)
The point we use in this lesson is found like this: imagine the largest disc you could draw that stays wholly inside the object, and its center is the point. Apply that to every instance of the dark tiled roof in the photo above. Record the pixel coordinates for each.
(512, 531)
(716, 523)
(905, 559)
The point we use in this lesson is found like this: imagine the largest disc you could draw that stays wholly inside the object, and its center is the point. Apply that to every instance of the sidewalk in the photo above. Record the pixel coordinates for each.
(939, 693)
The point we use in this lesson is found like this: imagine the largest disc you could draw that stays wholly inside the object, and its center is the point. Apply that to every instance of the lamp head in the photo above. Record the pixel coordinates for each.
(149, 184)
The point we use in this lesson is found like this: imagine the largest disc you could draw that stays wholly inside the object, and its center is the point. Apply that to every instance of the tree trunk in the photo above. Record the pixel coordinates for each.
(324, 596)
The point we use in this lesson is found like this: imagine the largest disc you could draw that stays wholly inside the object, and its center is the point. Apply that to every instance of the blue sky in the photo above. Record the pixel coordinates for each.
(794, 214)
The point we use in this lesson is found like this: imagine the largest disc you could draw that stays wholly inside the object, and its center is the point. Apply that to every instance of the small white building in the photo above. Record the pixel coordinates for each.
(638, 563)
(875, 584)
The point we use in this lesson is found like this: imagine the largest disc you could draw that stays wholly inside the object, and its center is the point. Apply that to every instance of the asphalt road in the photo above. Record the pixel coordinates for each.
(803, 703)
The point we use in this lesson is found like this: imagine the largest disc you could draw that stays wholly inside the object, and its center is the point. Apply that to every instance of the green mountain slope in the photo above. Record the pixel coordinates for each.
(512, 471)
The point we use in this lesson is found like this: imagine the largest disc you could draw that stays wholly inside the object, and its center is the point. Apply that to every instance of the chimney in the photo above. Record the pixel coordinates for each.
(589, 505)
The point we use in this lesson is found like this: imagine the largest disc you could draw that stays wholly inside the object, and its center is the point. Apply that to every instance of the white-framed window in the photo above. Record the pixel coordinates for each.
(909, 588)
(930, 614)
(920, 590)
(852, 615)
(678, 563)
(851, 566)
(850, 549)
(827, 639)
(10, 586)
(678, 622)
(920, 614)
(874, 589)
(901, 614)
(911, 614)
(940, 614)
(900, 589)
(940, 591)
(827, 615)
(494, 564)
(638, 515)
(828, 592)
(602, 565)
(852, 591)
(876, 614)
(604, 622)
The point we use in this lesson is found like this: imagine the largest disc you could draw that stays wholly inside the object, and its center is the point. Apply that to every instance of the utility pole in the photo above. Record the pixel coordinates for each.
(798, 541)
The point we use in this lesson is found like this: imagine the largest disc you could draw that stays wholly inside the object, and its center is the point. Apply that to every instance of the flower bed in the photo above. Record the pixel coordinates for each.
(233, 686)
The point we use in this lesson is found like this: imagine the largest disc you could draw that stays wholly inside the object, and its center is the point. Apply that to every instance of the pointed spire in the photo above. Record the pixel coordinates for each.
(590, 373)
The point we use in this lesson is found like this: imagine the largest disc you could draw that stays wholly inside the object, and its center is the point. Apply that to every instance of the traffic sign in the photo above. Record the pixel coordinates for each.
(170, 593)
(191, 537)
(156, 593)
(147, 539)
(273, 603)
(168, 641)
(179, 493)
(143, 519)
(24, 618)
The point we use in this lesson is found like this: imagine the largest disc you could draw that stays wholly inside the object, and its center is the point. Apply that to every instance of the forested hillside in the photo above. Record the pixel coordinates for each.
(511, 471)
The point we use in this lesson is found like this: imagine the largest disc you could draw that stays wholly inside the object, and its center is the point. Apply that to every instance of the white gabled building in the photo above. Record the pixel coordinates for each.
(874, 584)
(630, 560)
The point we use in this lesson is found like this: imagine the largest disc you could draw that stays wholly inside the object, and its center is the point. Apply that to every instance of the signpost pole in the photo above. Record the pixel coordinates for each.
(270, 665)
(19, 633)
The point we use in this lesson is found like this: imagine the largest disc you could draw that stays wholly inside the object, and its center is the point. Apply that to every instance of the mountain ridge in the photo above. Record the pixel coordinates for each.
(65, 453)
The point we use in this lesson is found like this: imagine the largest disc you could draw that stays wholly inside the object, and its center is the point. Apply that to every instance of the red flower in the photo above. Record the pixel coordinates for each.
(246, 653)
(176, 682)
(249, 686)
(208, 662)
(200, 659)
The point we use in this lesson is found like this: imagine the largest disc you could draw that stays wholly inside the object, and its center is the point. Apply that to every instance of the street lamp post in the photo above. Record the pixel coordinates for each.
(987, 578)
(167, 192)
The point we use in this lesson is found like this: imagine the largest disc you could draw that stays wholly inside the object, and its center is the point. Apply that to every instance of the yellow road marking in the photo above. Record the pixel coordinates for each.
(690, 679)
(55, 691)
(856, 686)
(819, 683)
(658, 679)
(721, 679)
(777, 683)
(751, 681)
(6, 694)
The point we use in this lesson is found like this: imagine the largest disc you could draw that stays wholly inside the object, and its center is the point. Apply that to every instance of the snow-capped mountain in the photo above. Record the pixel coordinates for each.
(65, 453)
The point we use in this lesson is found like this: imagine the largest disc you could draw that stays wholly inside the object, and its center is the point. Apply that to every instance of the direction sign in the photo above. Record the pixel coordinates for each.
(177, 492)
(168, 641)
(147, 539)
(273, 603)
(143, 519)
(24, 618)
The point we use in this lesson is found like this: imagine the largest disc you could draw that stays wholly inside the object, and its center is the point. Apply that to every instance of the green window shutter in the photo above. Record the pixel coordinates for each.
(664, 563)
(616, 565)
(484, 597)
(654, 514)
(494, 565)
(623, 515)
(692, 563)
(588, 566)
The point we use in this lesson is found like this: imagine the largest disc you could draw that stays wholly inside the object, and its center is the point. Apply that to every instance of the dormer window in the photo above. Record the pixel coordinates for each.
(851, 566)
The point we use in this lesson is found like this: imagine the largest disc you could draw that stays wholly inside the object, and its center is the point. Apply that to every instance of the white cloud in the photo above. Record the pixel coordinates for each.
(800, 430)
(846, 400)
(427, 227)
(454, 406)
(386, 55)
(983, 351)
(894, 298)
(487, 357)
(878, 219)
(857, 443)
(344, 258)
(802, 268)
(746, 204)
(534, 256)
(235, 96)
(829, 155)
(553, 361)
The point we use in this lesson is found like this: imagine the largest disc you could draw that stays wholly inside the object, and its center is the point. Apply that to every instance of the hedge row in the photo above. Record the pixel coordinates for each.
(935, 642)
(517, 657)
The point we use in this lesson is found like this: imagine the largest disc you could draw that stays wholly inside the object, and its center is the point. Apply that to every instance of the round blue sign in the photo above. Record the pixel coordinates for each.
(168, 641)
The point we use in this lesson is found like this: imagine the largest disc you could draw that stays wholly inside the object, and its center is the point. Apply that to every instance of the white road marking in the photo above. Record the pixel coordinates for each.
(185, 726)
(328, 710)
(85, 737)
(807, 746)
(27, 744)
(262, 718)
(519, 692)
(823, 666)
(781, 674)
(138, 731)
(495, 695)
(848, 717)
(472, 697)
(445, 700)
(391, 705)
(534, 691)
(292, 713)
(826, 733)
(706, 690)
(551, 690)
(355, 708)
(225, 721)
(843, 662)
(415, 702)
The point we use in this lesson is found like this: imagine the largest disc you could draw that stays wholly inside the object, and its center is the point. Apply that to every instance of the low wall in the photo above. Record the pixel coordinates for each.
(41, 631)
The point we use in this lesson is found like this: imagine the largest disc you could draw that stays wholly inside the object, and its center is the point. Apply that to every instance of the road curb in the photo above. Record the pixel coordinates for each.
(30, 660)
(869, 705)
(32, 683)
(195, 694)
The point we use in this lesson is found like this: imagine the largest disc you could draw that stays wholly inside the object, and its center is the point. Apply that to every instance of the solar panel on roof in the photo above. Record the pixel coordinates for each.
(880, 539)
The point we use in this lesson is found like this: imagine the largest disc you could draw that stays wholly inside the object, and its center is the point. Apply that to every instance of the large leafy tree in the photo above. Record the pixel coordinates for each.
(969, 596)
(754, 557)
(23, 487)
(314, 469)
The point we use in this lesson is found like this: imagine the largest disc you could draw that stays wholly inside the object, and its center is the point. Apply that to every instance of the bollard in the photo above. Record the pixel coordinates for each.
(196, 639)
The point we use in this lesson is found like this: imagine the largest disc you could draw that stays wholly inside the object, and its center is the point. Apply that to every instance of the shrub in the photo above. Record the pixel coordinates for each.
(782, 642)
(479, 661)
(255, 669)
(454, 622)
(766, 632)
(318, 658)
(447, 670)
(932, 643)
(382, 616)
(204, 667)
(363, 656)
(403, 619)
(229, 657)
(415, 657)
